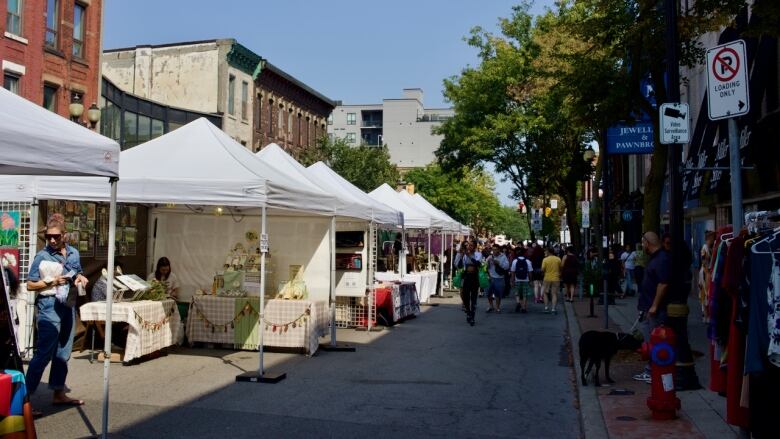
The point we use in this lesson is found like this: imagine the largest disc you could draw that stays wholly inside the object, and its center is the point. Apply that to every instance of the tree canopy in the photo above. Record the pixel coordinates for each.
(364, 166)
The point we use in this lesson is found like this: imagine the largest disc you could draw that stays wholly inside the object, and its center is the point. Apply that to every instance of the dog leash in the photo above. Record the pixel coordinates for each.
(631, 330)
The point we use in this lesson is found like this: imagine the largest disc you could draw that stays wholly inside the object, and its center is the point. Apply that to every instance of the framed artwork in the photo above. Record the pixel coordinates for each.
(10, 223)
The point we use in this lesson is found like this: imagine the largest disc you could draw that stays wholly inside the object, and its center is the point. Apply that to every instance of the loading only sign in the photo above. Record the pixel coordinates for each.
(675, 126)
(727, 81)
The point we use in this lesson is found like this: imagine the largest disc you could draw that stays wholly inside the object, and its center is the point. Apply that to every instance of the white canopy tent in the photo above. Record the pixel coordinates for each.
(35, 141)
(346, 205)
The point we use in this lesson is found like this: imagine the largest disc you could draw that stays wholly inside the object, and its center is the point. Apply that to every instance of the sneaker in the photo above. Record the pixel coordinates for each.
(489, 310)
(555, 311)
(498, 310)
(546, 310)
(644, 376)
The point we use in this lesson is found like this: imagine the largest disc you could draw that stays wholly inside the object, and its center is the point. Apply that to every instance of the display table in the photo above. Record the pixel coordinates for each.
(233, 321)
(395, 302)
(153, 325)
(295, 324)
(425, 281)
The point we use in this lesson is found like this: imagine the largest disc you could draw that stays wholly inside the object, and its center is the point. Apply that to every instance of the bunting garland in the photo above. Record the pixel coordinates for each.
(247, 310)
(154, 326)
(294, 323)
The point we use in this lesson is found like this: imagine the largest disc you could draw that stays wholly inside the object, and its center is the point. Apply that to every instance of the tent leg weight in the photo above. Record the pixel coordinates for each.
(257, 377)
(338, 347)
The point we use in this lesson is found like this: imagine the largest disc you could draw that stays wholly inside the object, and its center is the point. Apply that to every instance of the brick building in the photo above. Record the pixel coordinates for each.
(50, 51)
(289, 113)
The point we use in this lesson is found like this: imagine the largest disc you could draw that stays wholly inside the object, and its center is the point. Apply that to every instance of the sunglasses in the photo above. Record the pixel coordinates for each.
(55, 236)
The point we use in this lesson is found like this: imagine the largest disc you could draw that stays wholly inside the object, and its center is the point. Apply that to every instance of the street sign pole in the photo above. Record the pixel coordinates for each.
(736, 176)
(677, 310)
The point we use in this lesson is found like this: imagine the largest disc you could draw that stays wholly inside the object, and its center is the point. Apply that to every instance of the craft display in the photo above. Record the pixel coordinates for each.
(240, 274)
(295, 288)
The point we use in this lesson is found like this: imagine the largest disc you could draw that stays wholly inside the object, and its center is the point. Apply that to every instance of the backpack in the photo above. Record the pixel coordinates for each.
(499, 269)
(521, 268)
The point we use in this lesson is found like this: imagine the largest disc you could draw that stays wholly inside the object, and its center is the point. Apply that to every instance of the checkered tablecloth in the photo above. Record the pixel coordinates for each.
(295, 324)
(209, 320)
(153, 324)
(425, 281)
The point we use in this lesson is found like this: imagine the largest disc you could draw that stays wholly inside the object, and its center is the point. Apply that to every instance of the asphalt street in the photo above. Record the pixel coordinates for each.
(431, 376)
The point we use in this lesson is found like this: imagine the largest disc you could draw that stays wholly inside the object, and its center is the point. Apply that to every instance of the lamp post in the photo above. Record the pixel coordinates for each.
(76, 110)
(588, 155)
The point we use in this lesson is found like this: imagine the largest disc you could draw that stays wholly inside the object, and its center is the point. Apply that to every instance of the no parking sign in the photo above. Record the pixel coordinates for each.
(727, 81)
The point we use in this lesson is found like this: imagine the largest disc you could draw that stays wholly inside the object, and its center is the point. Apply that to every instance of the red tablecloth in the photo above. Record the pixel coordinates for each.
(396, 302)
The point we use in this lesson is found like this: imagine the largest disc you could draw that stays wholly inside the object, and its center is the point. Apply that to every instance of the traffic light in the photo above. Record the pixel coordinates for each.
(547, 211)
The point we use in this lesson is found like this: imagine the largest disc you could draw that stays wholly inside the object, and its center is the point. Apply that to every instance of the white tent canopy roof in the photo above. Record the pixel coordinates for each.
(414, 218)
(335, 183)
(35, 141)
(436, 220)
(195, 164)
(454, 226)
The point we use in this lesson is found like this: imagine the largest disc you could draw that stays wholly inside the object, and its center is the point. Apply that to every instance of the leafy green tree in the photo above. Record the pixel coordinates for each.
(365, 167)
(513, 224)
(467, 197)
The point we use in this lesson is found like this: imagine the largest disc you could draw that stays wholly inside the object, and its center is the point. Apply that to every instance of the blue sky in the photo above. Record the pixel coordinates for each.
(353, 51)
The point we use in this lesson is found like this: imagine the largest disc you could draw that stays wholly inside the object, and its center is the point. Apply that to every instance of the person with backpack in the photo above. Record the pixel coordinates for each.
(520, 275)
(497, 267)
(570, 273)
(470, 260)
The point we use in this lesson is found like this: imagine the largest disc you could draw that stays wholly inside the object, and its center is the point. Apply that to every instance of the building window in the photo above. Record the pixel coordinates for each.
(50, 97)
(351, 119)
(13, 22)
(330, 119)
(79, 13)
(232, 95)
(244, 100)
(351, 137)
(290, 122)
(11, 83)
(259, 115)
(280, 121)
(270, 117)
(52, 23)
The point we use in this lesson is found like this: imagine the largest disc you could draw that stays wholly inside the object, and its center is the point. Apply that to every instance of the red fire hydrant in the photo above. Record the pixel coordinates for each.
(663, 401)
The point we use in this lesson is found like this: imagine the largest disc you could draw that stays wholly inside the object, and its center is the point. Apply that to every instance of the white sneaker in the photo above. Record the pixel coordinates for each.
(644, 376)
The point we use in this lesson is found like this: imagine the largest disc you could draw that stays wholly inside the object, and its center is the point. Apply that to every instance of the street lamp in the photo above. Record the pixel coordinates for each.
(76, 110)
(589, 154)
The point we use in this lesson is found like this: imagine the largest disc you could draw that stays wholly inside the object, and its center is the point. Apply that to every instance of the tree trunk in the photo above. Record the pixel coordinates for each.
(571, 217)
(651, 214)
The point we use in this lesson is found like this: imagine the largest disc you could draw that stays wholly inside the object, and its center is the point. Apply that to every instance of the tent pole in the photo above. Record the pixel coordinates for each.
(261, 317)
(441, 262)
(109, 302)
(260, 376)
(30, 307)
(371, 268)
(402, 253)
(429, 248)
(332, 346)
(333, 281)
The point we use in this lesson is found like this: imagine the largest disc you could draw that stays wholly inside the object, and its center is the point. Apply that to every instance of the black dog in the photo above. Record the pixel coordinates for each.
(596, 346)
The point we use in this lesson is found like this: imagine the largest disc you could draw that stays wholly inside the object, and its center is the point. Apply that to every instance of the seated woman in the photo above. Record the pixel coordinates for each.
(164, 275)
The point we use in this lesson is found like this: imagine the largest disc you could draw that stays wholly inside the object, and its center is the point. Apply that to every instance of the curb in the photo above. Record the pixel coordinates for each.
(592, 422)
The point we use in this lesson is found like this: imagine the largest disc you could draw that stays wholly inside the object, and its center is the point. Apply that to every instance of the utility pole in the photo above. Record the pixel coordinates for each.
(677, 309)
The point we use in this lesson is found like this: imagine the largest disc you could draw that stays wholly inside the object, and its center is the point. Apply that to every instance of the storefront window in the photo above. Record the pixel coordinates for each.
(158, 128)
(144, 129)
(130, 130)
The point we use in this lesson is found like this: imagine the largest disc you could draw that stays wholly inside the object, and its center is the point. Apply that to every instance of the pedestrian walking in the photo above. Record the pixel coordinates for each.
(655, 285)
(614, 271)
(497, 267)
(536, 256)
(54, 275)
(521, 280)
(551, 266)
(570, 272)
(470, 260)
(629, 265)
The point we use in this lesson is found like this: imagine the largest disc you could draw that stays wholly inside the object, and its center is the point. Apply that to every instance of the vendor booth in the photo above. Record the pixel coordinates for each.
(35, 141)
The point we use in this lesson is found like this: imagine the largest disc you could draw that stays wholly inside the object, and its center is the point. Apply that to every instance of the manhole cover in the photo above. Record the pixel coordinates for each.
(621, 392)
(626, 418)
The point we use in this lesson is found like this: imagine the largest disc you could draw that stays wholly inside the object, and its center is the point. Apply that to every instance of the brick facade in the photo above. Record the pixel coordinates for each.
(287, 112)
(54, 66)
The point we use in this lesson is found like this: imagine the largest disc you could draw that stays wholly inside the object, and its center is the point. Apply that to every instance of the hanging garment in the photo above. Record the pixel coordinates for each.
(735, 350)
(716, 304)
(773, 316)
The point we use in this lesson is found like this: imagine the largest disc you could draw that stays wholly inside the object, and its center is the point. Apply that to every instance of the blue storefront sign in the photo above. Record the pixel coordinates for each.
(630, 139)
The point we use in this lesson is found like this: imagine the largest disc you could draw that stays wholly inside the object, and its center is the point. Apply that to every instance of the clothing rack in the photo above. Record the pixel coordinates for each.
(756, 221)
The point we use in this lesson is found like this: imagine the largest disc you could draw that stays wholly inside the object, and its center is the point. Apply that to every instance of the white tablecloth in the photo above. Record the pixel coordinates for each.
(153, 324)
(424, 281)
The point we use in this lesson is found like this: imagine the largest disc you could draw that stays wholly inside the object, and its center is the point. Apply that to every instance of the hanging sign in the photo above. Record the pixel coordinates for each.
(263, 243)
(675, 125)
(536, 220)
(630, 139)
(727, 81)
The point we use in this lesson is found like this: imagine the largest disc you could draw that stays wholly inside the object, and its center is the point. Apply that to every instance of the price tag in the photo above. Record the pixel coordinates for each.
(264, 243)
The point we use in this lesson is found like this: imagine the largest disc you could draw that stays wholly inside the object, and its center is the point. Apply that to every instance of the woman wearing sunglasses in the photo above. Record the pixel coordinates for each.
(53, 273)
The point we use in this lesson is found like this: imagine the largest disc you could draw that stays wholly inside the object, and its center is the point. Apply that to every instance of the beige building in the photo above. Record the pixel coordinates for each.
(214, 76)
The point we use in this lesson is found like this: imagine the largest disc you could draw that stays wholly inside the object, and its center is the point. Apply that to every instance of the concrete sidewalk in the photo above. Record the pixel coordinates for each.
(620, 410)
